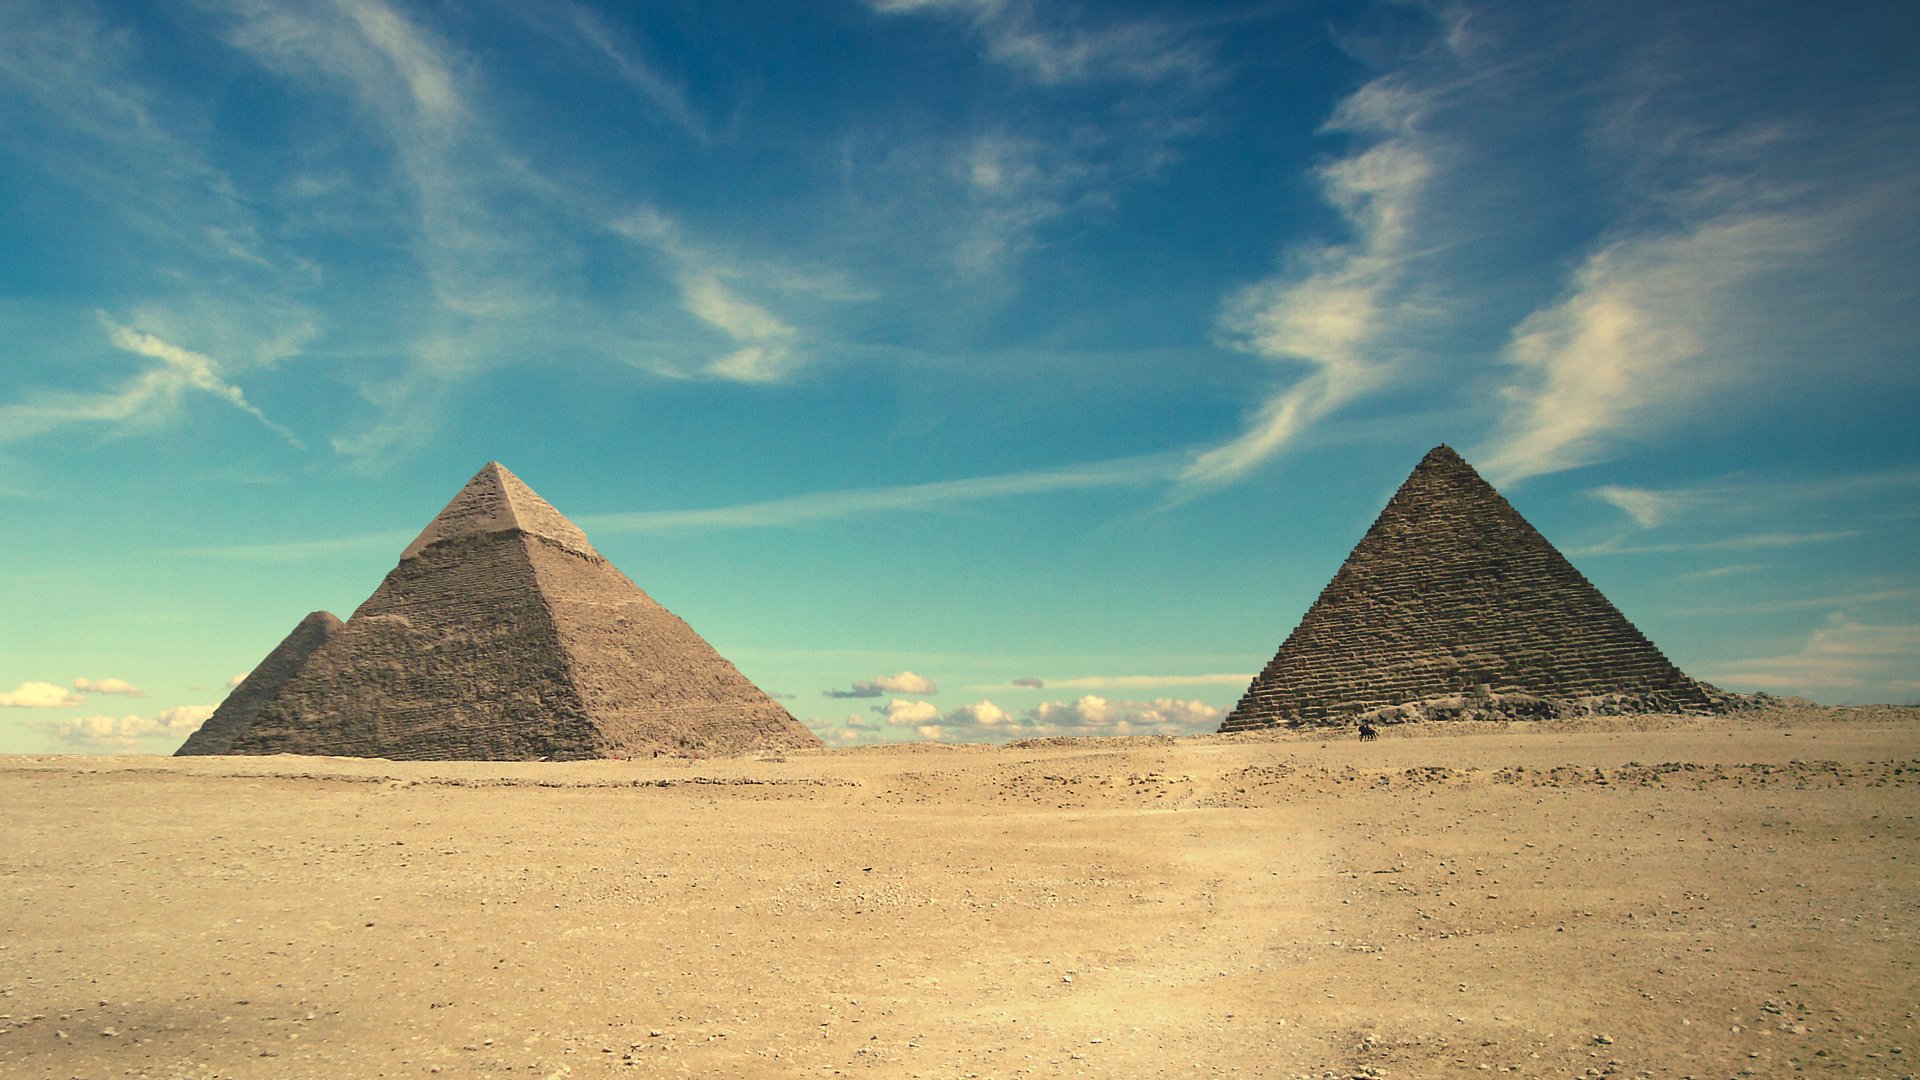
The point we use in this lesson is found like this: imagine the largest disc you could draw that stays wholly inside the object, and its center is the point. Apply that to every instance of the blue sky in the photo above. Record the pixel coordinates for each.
(960, 368)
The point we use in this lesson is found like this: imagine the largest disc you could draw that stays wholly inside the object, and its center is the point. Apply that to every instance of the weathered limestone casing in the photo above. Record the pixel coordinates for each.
(503, 635)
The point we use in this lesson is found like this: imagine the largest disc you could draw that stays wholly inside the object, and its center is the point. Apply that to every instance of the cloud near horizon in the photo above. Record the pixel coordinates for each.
(97, 733)
(40, 695)
(984, 721)
(119, 687)
(1843, 654)
(905, 682)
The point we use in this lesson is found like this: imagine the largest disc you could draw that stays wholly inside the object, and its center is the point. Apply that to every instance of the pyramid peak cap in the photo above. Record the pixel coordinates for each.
(496, 501)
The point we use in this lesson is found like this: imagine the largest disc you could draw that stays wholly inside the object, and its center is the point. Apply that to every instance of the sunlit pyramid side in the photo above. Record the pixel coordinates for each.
(264, 683)
(503, 635)
(1452, 605)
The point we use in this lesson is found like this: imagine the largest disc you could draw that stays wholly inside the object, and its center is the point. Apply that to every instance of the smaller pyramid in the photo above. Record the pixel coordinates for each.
(503, 635)
(1453, 605)
(242, 706)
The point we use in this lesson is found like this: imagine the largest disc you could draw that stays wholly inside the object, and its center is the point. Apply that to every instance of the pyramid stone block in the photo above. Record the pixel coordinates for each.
(242, 706)
(503, 635)
(1452, 604)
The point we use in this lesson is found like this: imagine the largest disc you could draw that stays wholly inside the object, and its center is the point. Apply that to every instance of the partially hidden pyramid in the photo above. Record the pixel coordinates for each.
(262, 685)
(503, 635)
(1453, 606)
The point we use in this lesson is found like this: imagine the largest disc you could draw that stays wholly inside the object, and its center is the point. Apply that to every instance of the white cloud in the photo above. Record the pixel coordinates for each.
(1748, 261)
(126, 732)
(1645, 506)
(963, 723)
(1094, 715)
(1855, 659)
(108, 686)
(905, 682)
(1337, 307)
(984, 721)
(980, 714)
(765, 351)
(1642, 334)
(150, 398)
(40, 695)
(234, 681)
(856, 728)
(902, 713)
(762, 343)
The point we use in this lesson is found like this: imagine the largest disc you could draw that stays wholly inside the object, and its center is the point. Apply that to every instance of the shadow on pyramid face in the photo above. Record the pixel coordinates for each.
(1453, 606)
(500, 635)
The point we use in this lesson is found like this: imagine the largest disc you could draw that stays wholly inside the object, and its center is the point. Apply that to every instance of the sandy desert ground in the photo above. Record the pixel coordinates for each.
(1659, 897)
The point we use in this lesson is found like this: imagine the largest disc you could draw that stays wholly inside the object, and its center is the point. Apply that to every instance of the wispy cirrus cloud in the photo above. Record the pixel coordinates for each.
(1739, 512)
(761, 346)
(992, 188)
(586, 29)
(1761, 541)
(1756, 496)
(1732, 242)
(836, 505)
(149, 399)
(1649, 325)
(1844, 656)
(1049, 45)
(72, 86)
(1750, 249)
(791, 512)
(479, 248)
(1337, 307)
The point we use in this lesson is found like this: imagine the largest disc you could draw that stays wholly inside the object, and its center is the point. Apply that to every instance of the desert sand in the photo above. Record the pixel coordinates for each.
(1653, 896)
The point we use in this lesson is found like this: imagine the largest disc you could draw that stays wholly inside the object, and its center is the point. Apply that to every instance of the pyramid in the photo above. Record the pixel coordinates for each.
(1453, 605)
(503, 635)
(263, 684)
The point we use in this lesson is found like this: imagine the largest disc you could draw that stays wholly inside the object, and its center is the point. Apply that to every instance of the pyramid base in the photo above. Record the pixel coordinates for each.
(1512, 707)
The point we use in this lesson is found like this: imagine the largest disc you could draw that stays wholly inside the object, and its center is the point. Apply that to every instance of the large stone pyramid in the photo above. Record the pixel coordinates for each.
(503, 635)
(1453, 605)
(262, 685)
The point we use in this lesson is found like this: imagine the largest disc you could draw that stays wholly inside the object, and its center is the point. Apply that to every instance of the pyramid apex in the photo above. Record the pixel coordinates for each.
(497, 501)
